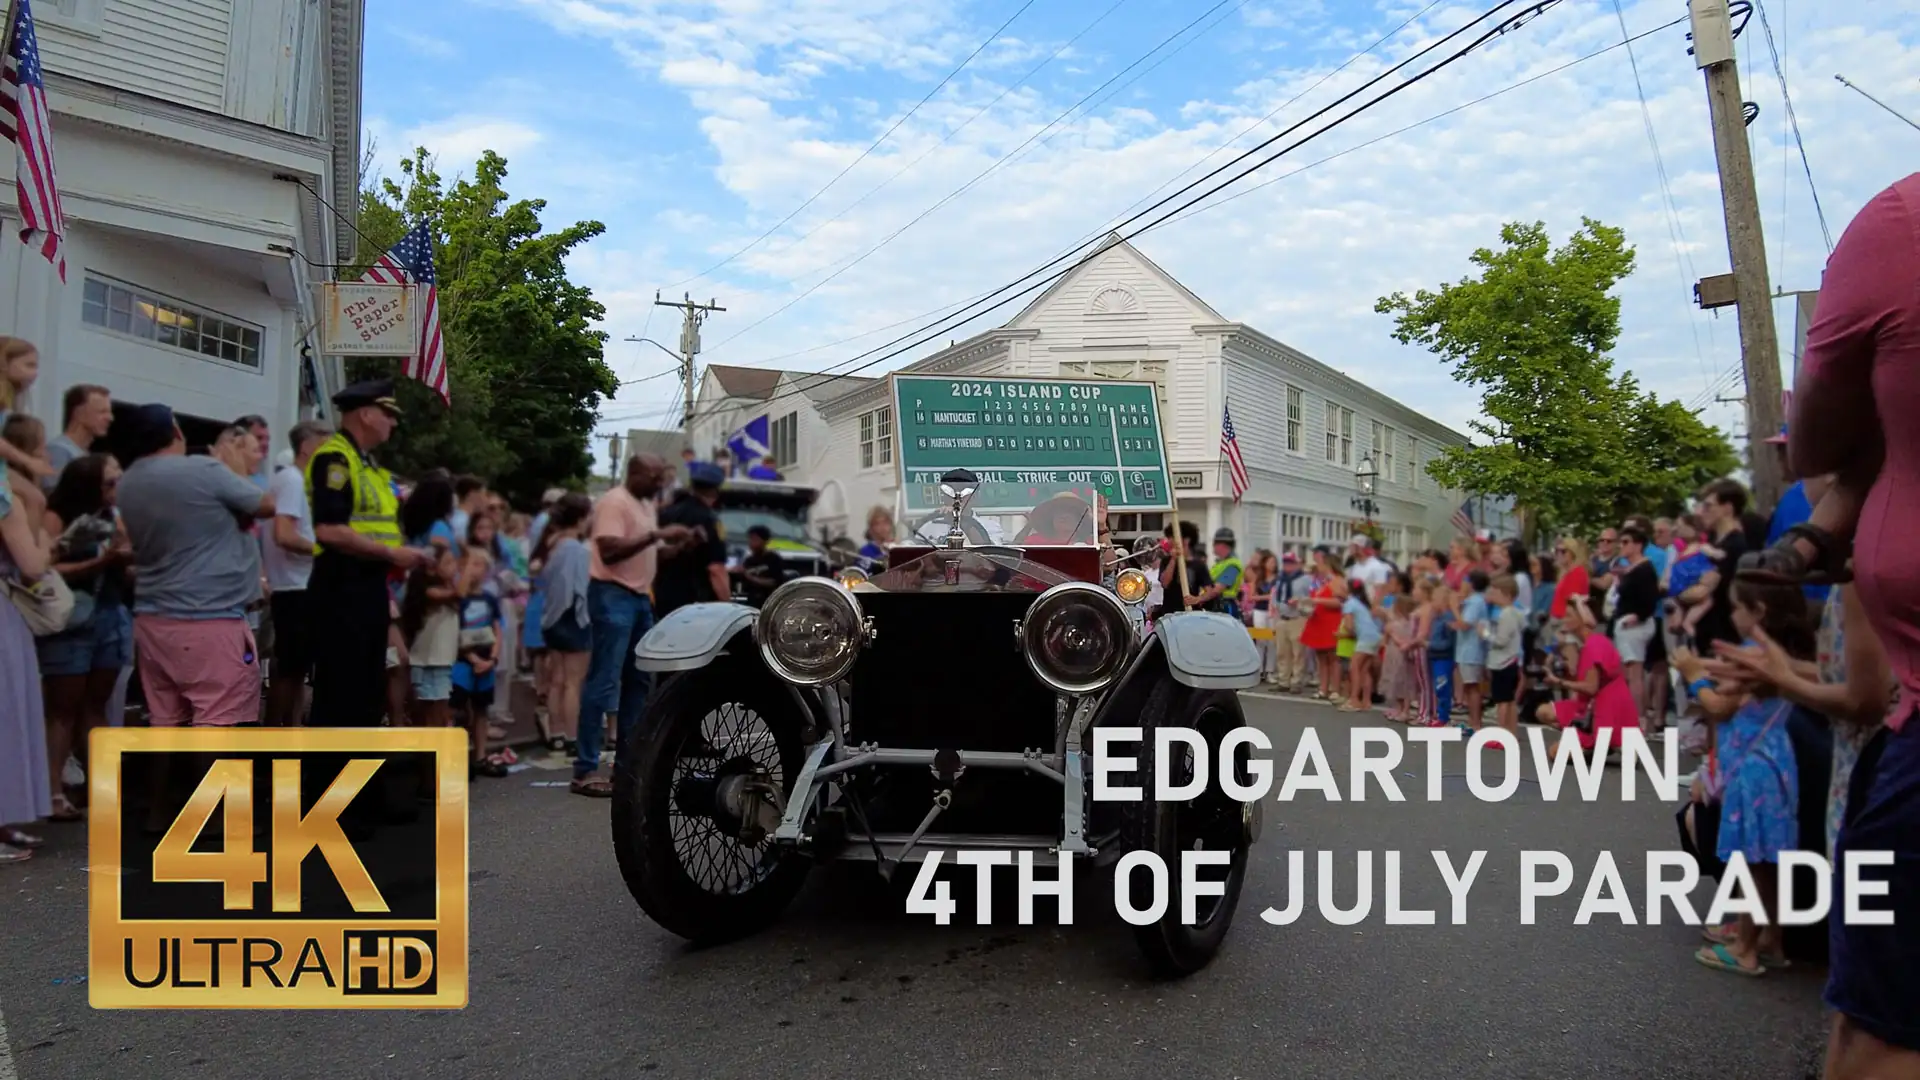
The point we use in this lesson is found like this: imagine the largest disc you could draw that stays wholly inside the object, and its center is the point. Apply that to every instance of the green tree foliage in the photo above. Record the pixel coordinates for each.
(526, 367)
(1572, 441)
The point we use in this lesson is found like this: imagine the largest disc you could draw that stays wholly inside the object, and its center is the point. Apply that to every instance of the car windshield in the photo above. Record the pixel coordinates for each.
(975, 569)
(781, 526)
(1063, 520)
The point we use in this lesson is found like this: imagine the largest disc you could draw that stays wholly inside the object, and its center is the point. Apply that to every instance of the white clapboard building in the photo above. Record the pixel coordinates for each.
(1304, 428)
(198, 143)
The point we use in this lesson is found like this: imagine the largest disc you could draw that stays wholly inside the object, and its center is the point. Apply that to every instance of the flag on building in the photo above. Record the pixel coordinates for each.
(25, 122)
(751, 442)
(411, 263)
(1463, 519)
(1230, 448)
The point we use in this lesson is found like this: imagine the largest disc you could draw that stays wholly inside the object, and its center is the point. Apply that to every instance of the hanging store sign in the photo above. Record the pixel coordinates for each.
(363, 319)
(1189, 481)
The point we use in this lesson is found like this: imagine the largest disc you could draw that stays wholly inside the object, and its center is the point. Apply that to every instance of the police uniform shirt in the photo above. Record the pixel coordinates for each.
(683, 578)
(332, 504)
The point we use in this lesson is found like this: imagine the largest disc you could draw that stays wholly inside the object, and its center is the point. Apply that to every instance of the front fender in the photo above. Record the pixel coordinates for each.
(1209, 651)
(692, 636)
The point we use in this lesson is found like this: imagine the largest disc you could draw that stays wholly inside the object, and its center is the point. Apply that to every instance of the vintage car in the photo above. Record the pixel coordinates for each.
(943, 704)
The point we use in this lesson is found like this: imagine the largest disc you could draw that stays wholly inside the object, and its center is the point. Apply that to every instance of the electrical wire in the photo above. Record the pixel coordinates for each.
(864, 154)
(1793, 121)
(1044, 278)
(1104, 229)
(962, 189)
(1676, 233)
(948, 137)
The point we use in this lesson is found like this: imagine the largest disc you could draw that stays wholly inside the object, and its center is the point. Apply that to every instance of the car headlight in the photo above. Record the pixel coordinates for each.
(1077, 637)
(852, 576)
(1131, 585)
(810, 631)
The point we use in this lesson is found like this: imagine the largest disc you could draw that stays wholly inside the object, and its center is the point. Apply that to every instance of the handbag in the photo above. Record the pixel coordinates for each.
(46, 605)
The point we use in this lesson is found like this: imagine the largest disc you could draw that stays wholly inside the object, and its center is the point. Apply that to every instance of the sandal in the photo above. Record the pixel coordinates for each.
(16, 838)
(1718, 935)
(64, 811)
(1721, 958)
(1783, 563)
(591, 787)
(12, 854)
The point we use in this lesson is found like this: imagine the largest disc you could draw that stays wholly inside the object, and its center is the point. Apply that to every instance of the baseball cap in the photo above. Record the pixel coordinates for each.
(1289, 557)
(705, 474)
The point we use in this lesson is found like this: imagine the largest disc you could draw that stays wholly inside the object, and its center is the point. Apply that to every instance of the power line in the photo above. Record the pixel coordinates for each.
(864, 154)
(1787, 99)
(962, 189)
(1675, 232)
(1101, 231)
(1513, 22)
(948, 137)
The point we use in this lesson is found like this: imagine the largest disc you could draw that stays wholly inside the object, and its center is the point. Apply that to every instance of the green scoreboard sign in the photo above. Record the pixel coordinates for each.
(1031, 439)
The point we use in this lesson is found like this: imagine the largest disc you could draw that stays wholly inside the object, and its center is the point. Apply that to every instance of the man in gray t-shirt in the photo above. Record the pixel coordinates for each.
(196, 571)
(185, 516)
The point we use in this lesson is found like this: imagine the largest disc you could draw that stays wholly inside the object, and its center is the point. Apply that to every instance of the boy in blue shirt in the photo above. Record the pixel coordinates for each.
(481, 632)
(1471, 625)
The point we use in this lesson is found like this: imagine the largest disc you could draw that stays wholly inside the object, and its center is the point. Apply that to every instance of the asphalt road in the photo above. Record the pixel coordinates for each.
(571, 980)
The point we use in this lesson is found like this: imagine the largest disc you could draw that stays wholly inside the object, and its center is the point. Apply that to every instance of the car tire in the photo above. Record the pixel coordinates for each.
(645, 805)
(1172, 948)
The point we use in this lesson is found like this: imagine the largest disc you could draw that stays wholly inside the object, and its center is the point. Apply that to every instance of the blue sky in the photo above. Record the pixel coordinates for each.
(690, 129)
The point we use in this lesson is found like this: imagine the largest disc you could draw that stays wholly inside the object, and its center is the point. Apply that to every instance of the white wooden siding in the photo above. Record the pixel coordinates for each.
(1119, 308)
(175, 50)
(272, 54)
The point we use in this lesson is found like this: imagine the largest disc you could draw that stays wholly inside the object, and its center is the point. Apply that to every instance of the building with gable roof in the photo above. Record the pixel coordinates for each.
(1304, 428)
(199, 145)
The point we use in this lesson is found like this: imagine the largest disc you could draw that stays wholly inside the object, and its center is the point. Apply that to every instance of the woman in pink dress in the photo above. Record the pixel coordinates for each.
(1598, 686)
(1853, 407)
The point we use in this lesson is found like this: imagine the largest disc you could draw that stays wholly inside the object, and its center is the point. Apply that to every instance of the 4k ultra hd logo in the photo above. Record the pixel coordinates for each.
(278, 868)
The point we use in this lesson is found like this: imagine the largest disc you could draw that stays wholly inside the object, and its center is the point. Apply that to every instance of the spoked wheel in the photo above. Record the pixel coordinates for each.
(696, 805)
(1212, 821)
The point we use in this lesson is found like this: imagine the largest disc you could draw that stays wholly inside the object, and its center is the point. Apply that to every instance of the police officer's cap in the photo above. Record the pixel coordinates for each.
(1223, 536)
(705, 474)
(368, 392)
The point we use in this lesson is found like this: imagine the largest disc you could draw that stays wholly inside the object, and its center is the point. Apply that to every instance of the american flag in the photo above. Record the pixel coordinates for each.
(1463, 518)
(1230, 446)
(411, 262)
(25, 122)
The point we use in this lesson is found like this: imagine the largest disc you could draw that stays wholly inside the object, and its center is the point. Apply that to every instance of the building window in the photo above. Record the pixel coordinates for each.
(1387, 456)
(1334, 531)
(1294, 410)
(786, 440)
(876, 437)
(1153, 371)
(1413, 464)
(1339, 435)
(125, 309)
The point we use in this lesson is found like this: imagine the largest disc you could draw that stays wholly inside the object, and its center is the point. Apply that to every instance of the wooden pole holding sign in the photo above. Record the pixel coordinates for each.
(1173, 500)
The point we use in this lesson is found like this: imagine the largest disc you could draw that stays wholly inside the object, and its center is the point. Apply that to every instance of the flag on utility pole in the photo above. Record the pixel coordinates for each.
(26, 122)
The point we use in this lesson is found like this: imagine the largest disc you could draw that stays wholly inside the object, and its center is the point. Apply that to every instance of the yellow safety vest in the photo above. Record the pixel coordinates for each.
(376, 507)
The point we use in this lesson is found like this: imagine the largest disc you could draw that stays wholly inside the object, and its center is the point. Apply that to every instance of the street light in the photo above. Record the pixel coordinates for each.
(1364, 478)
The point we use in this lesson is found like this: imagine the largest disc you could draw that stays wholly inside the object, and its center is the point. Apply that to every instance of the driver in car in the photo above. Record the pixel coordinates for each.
(1064, 519)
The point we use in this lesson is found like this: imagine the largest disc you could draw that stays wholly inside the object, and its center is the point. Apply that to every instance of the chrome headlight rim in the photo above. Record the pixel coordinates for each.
(842, 597)
(852, 576)
(1107, 606)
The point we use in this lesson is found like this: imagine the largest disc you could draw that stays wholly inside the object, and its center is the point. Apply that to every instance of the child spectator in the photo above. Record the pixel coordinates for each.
(478, 653)
(431, 628)
(1440, 655)
(1472, 626)
(760, 571)
(1362, 631)
(1503, 651)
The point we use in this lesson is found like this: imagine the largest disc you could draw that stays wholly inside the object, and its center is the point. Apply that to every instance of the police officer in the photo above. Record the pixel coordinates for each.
(1227, 571)
(356, 509)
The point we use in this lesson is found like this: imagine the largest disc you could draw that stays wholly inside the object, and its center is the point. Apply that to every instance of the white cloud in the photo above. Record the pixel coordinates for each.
(1303, 258)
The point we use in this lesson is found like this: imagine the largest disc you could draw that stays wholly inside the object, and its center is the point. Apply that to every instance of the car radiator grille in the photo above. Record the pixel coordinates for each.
(945, 671)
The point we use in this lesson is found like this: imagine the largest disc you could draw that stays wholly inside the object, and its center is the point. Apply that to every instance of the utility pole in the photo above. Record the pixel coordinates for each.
(1759, 344)
(692, 315)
